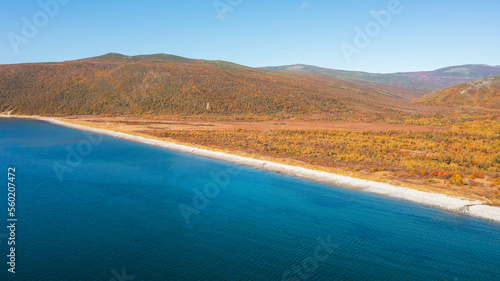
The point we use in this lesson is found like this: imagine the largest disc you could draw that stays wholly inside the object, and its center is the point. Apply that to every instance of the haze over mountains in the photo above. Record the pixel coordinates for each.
(115, 84)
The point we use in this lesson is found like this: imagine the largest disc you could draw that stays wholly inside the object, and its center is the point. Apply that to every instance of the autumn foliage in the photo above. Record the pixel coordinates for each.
(484, 92)
(116, 85)
(459, 156)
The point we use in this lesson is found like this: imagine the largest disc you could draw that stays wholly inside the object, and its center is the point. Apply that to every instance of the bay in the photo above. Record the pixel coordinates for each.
(95, 207)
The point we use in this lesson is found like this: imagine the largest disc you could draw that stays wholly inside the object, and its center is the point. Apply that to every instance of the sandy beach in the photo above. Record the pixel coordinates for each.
(459, 205)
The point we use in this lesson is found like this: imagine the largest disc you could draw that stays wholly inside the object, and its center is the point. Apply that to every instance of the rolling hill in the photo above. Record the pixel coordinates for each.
(484, 92)
(374, 79)
(160, 84)
(424, 81)
(454, 75)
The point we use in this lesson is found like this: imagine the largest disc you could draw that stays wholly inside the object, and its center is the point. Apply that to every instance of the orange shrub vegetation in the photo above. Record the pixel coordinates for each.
(459, 153)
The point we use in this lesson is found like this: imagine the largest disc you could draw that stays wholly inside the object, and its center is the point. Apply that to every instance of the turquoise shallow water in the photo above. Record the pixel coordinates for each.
(112, 213)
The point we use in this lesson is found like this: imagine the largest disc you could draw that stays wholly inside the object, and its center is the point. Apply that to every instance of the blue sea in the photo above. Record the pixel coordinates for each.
(94, 207)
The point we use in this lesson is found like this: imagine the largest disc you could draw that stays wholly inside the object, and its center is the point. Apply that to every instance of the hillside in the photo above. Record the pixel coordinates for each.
(454, 75)
(484, 92)
(424, 81)
(374, 79)
(161, 84)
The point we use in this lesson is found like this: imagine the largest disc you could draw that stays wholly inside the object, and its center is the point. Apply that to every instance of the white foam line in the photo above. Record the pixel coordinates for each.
(451, 203)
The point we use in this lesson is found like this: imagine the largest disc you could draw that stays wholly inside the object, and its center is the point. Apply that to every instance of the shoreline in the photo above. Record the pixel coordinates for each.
(453, 204)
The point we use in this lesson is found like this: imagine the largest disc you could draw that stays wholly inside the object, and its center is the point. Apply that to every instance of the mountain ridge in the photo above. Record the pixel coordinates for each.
(359, 76)
(426, 81)
(454, 75)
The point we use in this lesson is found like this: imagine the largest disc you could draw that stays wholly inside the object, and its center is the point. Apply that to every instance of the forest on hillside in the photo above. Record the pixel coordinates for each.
(152, 87)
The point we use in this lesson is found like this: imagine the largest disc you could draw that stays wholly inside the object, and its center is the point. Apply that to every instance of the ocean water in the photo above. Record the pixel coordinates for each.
(93, 207)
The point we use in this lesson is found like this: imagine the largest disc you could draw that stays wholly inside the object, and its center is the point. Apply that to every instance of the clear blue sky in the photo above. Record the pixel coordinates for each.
(425, 35)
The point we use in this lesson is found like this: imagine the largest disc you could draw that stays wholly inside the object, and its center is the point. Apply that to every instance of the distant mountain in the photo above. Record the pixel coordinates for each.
(484, 92)
(454, 75)
(373, 79)
(425, 81)
(161, 84)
